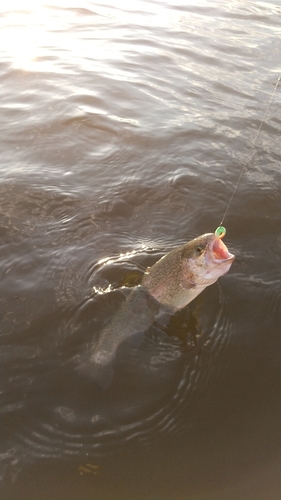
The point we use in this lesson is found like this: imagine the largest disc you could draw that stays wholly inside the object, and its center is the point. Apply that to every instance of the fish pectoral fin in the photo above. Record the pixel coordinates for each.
(186, 285)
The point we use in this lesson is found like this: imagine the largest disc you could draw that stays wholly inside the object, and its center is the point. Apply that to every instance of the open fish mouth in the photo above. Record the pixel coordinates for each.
(220, 253)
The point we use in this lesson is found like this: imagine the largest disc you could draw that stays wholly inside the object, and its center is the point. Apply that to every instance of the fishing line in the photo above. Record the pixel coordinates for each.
(220, 231)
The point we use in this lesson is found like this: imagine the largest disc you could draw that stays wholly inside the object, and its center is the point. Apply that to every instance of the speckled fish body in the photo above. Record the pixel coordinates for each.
(169, 285)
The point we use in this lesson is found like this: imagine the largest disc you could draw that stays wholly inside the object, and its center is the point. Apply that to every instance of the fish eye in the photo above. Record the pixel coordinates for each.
(199, 249)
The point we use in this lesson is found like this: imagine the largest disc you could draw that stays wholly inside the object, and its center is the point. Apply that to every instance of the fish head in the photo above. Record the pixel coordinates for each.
(204, 260)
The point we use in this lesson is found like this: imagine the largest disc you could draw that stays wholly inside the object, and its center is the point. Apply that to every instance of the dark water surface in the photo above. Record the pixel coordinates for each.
(123, 131)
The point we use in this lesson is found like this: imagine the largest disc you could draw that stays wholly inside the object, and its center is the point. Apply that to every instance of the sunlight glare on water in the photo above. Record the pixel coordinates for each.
(33, 28)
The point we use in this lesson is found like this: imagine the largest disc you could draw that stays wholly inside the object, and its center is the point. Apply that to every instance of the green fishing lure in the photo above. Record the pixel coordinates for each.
(220, 232)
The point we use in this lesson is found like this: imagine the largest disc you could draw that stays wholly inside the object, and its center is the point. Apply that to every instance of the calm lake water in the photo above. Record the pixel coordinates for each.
(124, 127)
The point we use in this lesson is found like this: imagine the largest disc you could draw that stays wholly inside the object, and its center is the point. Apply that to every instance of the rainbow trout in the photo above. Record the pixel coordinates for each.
(169, 285)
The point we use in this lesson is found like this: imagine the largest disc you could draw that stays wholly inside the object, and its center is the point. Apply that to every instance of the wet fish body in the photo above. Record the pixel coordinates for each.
(169, 285)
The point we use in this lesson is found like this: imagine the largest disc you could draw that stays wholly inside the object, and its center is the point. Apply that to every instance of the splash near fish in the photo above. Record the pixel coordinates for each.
(166, 287)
